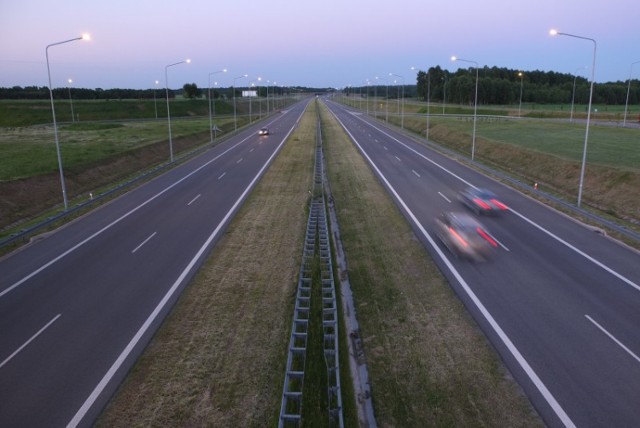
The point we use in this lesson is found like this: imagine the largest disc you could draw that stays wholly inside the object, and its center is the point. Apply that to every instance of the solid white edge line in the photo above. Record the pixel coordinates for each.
(30, 340)
(553, 403)
(612, 337)
(143, 242)
(143, 329)
(582, 253)
(585, 255)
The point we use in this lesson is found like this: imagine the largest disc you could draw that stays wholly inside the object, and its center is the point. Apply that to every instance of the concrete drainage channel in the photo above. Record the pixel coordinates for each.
(316, 270)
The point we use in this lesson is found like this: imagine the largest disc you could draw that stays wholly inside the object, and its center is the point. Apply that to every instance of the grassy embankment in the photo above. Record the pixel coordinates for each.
(95, 154)
(546, 152)
(219, 357)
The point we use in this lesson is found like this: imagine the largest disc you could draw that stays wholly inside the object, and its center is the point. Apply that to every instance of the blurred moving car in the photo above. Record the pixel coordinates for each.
(481, 201)
(464, 236)
(263, 131)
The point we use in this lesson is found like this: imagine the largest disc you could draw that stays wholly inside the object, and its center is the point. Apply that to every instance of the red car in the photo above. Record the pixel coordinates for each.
(482, 201)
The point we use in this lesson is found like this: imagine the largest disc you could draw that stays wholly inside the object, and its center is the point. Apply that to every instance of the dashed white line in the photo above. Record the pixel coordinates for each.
(223, 174)
(252, 149)
(17, 351)
(385, 147)
(239, 160)
(612, 337)
(397, 158)
(194, 199)
(143, 242)
(444, 197)
(415, 173)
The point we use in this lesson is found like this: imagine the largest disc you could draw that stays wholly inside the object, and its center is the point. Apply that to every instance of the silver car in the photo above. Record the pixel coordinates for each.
(465, 236)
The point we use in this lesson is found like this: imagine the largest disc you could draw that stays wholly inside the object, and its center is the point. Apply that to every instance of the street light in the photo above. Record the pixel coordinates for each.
(71, 100)
(521, 76)
(53, 113)
(402, 114)
(475, 105)
(626, 104)
(573, 94)
(586, 134)
(235, 120)
(224, 70)
(386, 118)
(155, 103)
(166, 81)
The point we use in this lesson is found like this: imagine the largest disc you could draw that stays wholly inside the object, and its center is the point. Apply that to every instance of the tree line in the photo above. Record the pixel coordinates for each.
(503, 86)
(189, 90)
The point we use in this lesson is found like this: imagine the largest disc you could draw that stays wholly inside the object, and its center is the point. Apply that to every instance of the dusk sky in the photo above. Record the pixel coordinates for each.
(328, 43)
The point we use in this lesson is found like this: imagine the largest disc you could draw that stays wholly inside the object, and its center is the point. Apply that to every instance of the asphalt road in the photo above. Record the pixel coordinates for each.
(78, 307)
(560, 303)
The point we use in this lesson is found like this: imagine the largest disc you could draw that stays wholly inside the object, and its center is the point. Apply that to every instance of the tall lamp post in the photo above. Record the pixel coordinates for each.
(586, 134)
(386, 114)
(626, 104)
(521, 76)
(53, 113)
(402, 114)
(475, 105)
(573, 93)
(166, 81)
(155, 102)
(71, 100)
(235, 120)
(224, 70)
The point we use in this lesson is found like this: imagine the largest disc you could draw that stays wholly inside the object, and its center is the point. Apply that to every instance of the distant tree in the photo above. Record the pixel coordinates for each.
(191, 90)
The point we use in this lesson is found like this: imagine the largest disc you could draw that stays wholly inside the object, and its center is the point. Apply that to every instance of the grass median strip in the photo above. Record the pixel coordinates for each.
(429, 364)
(219, 357)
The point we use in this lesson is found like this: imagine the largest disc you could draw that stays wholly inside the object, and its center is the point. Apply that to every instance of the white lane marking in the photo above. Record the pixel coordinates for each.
(118, 220)
(612, 337)
(143, 242)
(585, 255)
(385, 147)
(17, 351)
(504, 247)
(82, 411)
(252, 149)
(546, 394)
(222, 175)
(397, 158)
(416, 174)
(444, 197)
(238, 161)
(194, 199)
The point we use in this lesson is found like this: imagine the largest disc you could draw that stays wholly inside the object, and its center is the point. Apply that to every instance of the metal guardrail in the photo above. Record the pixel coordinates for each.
(316, 248)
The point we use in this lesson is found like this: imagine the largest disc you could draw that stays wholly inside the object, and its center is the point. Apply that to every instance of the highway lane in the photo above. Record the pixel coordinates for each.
(560, 303)
(78, 307)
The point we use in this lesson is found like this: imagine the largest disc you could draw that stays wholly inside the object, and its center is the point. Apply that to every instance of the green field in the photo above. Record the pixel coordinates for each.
(546, 152)
(122, 142)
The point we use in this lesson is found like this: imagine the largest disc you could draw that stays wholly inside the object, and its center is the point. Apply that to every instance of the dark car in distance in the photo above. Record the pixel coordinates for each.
(481, 201)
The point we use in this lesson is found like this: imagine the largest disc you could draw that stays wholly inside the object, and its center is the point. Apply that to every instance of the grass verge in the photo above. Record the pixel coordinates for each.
(219, 358)
(429, 363)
